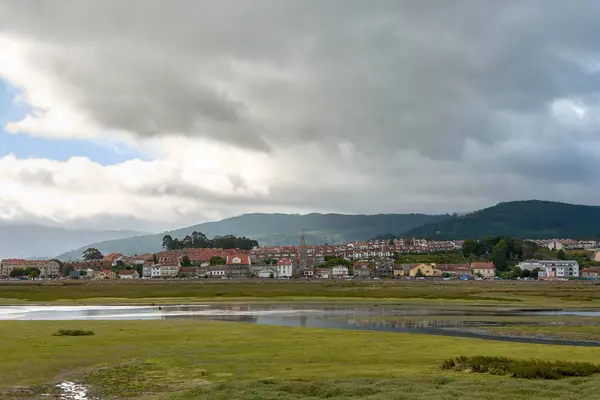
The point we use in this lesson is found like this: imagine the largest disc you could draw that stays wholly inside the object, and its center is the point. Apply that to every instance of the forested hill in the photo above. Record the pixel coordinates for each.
(276, 229)
(532, 219)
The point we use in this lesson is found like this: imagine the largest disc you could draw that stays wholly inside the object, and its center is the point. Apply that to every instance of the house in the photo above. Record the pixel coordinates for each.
(401, 270)
(112, 258)
(147, 271)
(96, 265)
(384, 268)
(339, 271)
(188, 272)
(307, 272)
(485, 269)
(597, 256)
(591, 272)
(129, 274)
(322, 272)
(165, 271)
(238, 265)
(106, 274)
(49, 269)
(285, 268)
(425, 270)
(552, 268)
(90, 273)
(457, 270)
(266, 272)
(362, 269)
(241, 259)
(556, 245)
(217, 271)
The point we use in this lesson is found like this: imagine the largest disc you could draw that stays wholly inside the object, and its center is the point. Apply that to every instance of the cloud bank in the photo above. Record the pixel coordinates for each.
(344, 106)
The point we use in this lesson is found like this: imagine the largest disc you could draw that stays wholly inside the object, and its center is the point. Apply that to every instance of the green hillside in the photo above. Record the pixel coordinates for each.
(276, 229)
(532, 219)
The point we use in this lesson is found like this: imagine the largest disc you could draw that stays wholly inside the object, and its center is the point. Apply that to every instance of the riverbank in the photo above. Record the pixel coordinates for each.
(221, 360)
(578, 294)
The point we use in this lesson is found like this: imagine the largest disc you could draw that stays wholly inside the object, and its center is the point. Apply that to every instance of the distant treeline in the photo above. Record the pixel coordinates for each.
(198, 240)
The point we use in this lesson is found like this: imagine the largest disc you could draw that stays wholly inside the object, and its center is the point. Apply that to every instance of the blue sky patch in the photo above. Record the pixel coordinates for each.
(24, 146)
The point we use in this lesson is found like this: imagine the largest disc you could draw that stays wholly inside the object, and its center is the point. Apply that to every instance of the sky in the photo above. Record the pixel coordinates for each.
(152, 115)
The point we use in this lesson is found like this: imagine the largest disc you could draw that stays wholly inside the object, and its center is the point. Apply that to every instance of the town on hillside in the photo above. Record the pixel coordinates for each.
(411, 258)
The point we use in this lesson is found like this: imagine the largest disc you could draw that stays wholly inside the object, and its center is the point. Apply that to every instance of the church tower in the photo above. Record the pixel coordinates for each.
(303, 260)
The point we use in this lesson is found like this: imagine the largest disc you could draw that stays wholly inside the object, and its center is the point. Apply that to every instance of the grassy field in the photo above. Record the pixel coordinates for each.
(519, 294)
(175, 359)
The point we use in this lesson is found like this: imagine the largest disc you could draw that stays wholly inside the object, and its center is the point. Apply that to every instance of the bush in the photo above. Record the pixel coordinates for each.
(73, 332)
(524, 369)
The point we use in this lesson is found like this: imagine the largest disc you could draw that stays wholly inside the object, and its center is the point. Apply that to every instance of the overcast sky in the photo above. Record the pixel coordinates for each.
(157, 114)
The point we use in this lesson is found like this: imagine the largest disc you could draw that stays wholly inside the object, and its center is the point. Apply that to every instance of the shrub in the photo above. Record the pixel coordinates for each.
(73, 332)
(524, 369)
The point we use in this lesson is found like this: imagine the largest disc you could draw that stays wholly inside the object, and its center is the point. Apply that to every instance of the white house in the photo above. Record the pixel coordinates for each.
(556, 245)
(217, 272)
(285, 269)
(339, 271)
(147, 271)
(552, 268)
(267, 272)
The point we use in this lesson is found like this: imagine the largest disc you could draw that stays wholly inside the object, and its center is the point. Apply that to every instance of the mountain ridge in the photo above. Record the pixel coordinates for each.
(276, 229)
(525, 219)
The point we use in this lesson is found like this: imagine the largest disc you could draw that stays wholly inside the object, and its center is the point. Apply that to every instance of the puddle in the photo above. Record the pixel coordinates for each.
(73, 391)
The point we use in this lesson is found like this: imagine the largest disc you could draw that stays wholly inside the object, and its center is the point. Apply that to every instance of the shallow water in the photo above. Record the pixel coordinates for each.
(312, 316)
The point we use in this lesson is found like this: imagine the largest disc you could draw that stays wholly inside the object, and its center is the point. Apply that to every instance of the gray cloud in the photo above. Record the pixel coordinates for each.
(446, 103)
(391, 75)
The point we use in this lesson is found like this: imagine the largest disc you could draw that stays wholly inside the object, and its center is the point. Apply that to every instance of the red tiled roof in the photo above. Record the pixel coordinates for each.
(453, 267)
(127, 272)
(112, 256)
(284, 262)
(240, 259)
(482, 265)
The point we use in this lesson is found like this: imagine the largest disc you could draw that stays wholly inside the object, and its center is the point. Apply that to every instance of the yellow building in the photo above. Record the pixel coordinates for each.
(426, 270)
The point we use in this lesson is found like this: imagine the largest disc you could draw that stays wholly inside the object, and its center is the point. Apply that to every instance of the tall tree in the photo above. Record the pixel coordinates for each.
(499, 255)
(185, 261)
(92, 254)
(167, 242)
(561, 255)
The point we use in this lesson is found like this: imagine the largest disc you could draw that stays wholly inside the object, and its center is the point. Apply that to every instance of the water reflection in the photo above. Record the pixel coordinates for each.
(370, 317)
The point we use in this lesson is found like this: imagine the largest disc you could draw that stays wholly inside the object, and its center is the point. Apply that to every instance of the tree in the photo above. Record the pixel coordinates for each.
(528, 249)
(33, 273)
(561, 254)
(335, 261)
(469, 248)
(499, 255)
(271, 275)
(64, 269)
(444, 275)
(185, 261)
(92, 254)
(154, 259)
(525, 273)
(419, 273)
(17, 272)
(216, 260)
(535, 272)
(167, 242)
